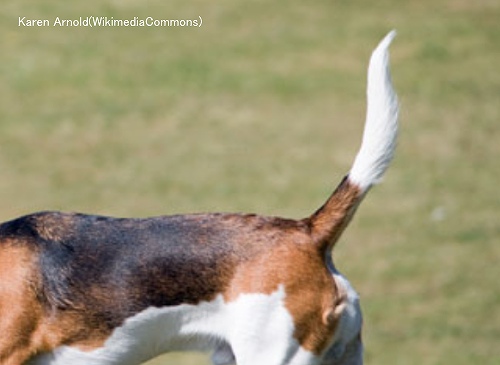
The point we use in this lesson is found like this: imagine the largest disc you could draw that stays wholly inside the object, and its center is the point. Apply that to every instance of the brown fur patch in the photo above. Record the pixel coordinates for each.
(27, 327)
(54, 226)
(312, 304)
(19, 309)
(68, 329)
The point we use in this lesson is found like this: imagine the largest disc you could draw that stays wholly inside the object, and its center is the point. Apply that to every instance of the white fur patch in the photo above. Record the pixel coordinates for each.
(257, 327)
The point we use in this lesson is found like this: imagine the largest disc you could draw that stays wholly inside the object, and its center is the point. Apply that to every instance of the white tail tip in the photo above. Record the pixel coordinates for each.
(379, 137)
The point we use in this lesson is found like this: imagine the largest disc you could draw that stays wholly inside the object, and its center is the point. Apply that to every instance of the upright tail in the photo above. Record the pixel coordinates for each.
(374, 156)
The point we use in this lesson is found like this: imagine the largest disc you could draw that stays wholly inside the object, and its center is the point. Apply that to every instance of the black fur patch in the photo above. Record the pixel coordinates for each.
(110, 268)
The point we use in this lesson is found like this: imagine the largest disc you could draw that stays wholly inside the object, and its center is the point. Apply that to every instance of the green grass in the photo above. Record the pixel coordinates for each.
(261, 109)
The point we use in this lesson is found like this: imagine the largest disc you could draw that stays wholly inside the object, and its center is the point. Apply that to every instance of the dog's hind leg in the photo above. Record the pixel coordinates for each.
(298, 356)
(223, 355)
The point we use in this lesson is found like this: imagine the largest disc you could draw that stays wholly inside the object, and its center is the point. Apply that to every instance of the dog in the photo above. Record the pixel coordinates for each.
(80, 289)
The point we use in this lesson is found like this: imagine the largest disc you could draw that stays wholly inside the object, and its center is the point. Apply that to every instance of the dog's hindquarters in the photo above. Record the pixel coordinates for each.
(327, 329)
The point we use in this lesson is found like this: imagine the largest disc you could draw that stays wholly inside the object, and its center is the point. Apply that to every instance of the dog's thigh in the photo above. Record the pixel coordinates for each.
(223, 355)
(353, 354)
(349, 354)
(271, 356)
(271, 347)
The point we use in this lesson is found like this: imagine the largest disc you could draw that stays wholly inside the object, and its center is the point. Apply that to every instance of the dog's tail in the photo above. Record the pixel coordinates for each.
(374, 156)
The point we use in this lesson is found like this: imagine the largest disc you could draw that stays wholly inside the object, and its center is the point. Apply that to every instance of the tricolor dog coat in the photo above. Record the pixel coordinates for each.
(81, 289)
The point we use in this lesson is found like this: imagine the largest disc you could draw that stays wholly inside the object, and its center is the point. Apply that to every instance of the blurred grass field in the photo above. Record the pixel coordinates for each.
(261, 109)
